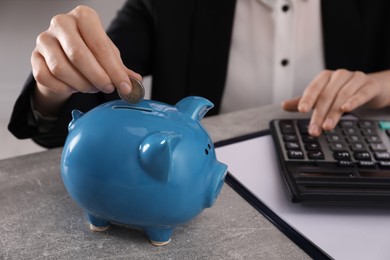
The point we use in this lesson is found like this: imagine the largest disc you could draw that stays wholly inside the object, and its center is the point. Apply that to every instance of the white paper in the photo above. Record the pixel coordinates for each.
(355, 232)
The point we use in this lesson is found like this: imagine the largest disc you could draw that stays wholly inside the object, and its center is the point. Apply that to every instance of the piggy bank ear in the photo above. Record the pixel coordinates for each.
(76, 114)
(196, 107)
(155, 153)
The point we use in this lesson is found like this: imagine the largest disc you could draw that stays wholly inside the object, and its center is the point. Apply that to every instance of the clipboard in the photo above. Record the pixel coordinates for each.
(322, 231)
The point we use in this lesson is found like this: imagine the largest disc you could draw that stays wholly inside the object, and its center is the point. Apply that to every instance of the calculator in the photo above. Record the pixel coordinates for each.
(348, 165)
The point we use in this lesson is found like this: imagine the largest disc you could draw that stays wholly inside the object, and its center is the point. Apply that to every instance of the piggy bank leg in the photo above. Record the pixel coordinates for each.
(159, 236)
(97, 224)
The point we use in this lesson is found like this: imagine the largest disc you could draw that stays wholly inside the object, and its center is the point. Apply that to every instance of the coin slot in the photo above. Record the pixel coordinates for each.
(134, 108)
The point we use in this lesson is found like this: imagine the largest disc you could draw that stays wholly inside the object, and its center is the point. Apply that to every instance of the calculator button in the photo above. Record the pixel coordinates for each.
(353, 138)
(315, 155)
(382, 156)
(366, 124)
(363, 155)
(287, 127)
(347, 123)
(350, 131)
(384, 164)
(378, 147)
(384, 125)
(366, 163)
(358, 147)
(333, 138)
(337, 146)
(309, 138)
(293, 154)
(341, 155)
(303, 126)
(344, 163)
(290, 138)
(312, 146)
(369, 131)
(373, 139)
(335, 130)
(292, 146)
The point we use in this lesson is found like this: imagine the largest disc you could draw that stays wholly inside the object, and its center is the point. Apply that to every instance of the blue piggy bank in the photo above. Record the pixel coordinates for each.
(149, 165)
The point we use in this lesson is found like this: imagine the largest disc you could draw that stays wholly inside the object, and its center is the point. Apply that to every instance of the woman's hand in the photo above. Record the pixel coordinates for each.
(333, 93)
(75, 55)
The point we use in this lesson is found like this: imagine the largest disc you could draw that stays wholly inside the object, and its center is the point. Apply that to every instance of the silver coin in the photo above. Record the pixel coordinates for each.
(137, 93)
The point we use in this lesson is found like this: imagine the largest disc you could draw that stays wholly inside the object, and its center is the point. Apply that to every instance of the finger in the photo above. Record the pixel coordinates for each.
(77, 52)
(59, 66)
(291, 104)
(365, 94)
(312, 92)
(315, 125)
(44, 77)
(335, 112)
(326, 98)
(102, 47)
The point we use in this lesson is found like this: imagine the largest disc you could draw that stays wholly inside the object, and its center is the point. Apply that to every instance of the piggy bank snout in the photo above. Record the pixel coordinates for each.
(216, 181)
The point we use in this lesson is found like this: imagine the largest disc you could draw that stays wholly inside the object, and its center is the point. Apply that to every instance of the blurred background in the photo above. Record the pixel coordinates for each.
(20, 23)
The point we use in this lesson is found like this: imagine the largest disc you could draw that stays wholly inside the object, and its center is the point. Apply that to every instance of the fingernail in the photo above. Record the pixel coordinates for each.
(328, 124)
(108, 88)
(314, 130)
(124, 88)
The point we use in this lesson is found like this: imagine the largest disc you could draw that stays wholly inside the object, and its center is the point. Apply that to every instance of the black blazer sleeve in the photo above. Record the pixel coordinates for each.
(21, 124)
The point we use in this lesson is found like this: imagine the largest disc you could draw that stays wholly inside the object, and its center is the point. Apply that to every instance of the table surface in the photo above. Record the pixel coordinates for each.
(39, 219)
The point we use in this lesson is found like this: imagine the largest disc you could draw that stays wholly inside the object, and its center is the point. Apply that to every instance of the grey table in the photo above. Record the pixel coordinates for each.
(40, 221)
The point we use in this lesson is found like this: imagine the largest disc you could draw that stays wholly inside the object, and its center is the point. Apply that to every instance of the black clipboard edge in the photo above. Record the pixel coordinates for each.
(306, 245)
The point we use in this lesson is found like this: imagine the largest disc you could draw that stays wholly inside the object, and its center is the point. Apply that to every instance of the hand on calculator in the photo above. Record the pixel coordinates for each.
(333, 93)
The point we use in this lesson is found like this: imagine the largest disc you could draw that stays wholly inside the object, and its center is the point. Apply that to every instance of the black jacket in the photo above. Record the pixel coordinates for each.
(184, 45)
